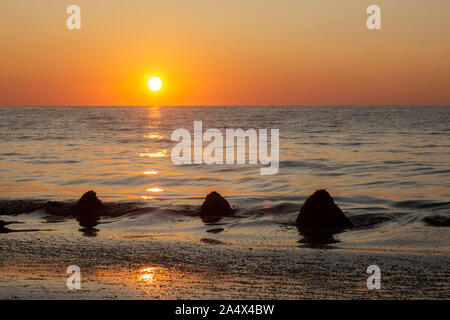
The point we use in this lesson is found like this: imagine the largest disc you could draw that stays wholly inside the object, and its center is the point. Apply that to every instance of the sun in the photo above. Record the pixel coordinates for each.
(154, 84)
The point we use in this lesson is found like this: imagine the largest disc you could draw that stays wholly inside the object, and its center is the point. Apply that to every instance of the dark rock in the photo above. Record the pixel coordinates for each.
(211, 241)
(3, 229)
(216, 230)
(437, 221)
(215, 206)
(88, 210)
(320, 214)
(88, 204)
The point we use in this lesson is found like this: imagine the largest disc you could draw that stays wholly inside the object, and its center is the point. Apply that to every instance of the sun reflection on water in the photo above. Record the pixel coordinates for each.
(154, 136)
(153, 155)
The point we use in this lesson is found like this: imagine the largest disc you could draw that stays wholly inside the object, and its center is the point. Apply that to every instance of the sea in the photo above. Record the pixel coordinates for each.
(387, 168)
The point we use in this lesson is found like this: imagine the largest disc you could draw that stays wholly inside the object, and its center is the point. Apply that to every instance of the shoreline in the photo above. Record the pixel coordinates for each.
(112, 269)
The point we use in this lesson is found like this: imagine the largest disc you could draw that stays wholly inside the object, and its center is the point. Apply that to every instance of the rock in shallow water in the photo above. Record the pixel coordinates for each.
(88, 204)
(438, 221)
(319, 213)
(215, 206)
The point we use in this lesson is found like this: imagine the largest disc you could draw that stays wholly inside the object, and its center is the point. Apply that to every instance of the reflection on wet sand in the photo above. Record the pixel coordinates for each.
(211, 220)
(147, 274)
(100, 282)
(88, 223)
(315, 239)
(4, 229)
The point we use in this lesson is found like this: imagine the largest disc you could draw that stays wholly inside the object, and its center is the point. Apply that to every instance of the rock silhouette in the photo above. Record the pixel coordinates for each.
(3, 229)
(88, 210)
(319, 215)
(437, 221)
(88, 204)
(215, 206)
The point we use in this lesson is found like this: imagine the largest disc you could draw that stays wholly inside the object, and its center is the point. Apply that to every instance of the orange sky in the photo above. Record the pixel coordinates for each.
(245, 52)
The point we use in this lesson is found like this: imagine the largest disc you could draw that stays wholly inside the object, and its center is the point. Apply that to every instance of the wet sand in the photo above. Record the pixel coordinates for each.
(169, 267)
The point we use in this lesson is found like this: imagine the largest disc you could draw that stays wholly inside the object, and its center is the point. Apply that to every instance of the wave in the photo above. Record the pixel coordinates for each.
(369, 220)
(421, 204)
(276, 204)
(281, 212)
(262, 226)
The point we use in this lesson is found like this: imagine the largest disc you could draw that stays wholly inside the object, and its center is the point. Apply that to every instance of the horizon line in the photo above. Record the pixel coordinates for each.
(235, 105)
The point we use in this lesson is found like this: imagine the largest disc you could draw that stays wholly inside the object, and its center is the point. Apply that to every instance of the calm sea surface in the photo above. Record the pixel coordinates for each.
(365, 154)
(393, 161)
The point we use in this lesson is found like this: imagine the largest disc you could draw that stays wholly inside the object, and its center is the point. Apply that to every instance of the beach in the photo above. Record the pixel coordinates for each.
(155, 269)
(169, 255)
(387, 169)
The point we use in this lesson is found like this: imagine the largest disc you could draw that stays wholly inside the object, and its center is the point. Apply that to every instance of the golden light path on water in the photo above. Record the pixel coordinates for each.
(154, 136)
(151, 172)
(154, 155)
(154, 123)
